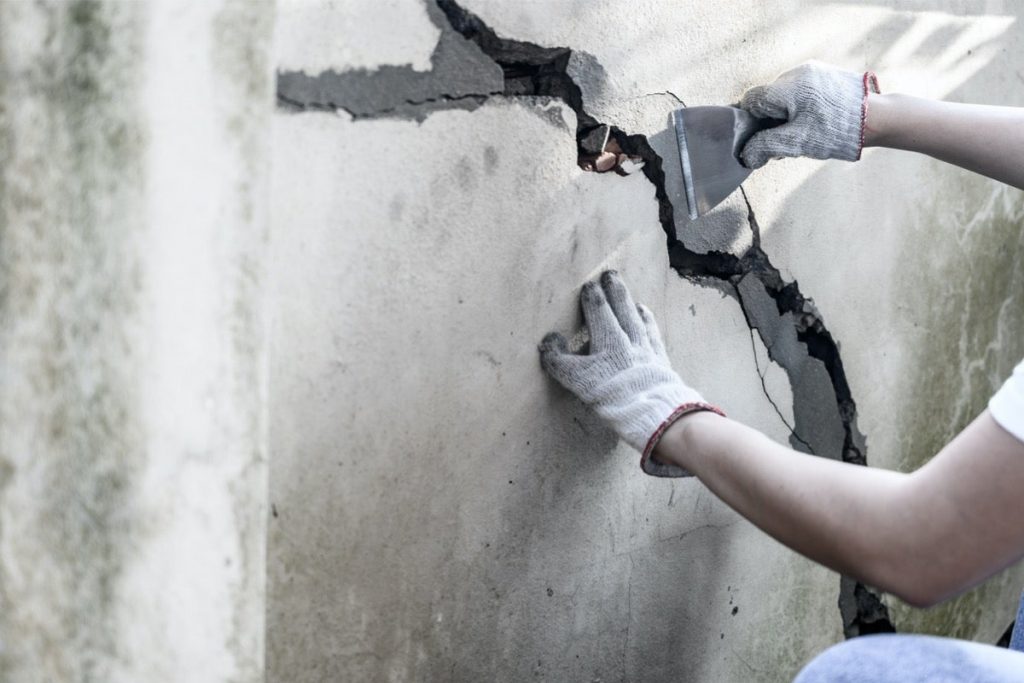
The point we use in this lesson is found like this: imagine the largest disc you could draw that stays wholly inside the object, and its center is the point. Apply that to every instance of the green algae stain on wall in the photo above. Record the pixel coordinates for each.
(70, 201)
(962, 292)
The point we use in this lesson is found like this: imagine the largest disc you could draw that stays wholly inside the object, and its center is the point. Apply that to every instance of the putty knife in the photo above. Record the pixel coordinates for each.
(710, 140)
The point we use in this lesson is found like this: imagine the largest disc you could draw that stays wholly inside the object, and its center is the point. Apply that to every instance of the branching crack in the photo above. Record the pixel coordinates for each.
(811, 330)
(767, 395)
(521, 69)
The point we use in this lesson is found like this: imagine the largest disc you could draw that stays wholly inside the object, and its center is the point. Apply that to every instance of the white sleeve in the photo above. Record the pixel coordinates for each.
(1007, 406)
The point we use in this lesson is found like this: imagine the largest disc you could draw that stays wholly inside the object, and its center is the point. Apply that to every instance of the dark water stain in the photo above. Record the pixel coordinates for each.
(490, 159)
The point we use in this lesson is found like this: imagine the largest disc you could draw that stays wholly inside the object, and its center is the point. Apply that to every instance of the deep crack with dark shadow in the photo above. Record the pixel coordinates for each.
(472, 64)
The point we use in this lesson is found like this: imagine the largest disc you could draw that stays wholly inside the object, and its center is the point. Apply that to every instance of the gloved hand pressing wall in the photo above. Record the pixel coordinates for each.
(626, 377)
(825, 108)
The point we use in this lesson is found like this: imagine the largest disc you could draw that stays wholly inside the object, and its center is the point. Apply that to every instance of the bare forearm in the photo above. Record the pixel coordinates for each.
(889, 529)
(984, 139)
(838, 514)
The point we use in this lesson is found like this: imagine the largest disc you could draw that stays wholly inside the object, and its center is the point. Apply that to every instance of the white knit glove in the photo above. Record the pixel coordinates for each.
(824, 108)
(626, 377)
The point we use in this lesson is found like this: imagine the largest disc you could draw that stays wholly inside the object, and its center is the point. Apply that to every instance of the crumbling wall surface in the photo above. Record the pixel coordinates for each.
(132, 437)
(440, 510)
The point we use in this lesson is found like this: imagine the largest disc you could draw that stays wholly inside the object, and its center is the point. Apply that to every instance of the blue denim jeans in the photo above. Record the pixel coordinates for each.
(1017, 637)
(891, 658)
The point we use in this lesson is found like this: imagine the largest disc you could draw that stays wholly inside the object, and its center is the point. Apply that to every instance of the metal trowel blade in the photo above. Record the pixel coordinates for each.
(710, 140)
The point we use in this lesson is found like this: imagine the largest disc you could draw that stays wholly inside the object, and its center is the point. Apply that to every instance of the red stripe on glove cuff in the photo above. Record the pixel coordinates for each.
(684, 409)
(870, 86)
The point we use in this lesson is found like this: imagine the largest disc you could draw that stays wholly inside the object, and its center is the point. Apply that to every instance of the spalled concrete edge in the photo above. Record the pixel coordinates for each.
(461, 77)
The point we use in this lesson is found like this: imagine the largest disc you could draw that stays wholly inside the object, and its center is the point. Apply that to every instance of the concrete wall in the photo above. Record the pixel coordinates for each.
(350, 284)
(442, 510)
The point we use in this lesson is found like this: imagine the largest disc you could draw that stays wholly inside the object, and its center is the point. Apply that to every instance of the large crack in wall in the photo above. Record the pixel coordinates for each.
(471, 64)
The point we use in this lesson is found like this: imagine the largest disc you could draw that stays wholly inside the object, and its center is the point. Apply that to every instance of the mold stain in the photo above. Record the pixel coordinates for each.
(963, 290)
(961, 296)
(69, 428)
(490, 160)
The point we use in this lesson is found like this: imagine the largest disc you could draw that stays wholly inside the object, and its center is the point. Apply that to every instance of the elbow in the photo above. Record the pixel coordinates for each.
(916, 594)
(920, 599)
(921, 584)
(910, 558)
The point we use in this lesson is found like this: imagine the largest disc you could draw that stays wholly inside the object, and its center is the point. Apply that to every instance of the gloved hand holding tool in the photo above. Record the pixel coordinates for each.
(814, 110)
(823, 112)
(824, 109)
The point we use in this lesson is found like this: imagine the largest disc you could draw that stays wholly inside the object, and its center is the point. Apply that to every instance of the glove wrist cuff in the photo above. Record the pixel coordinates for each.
(870, 85)
(656, 468)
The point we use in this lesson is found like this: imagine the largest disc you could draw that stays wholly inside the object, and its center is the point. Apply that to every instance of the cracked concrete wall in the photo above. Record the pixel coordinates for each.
(133, 224)
(441, 510)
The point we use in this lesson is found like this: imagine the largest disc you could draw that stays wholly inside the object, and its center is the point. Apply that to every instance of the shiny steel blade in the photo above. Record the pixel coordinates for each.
(710, 140)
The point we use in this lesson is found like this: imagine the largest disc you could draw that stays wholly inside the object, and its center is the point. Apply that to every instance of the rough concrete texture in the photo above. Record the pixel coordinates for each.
(441, 510)
(132, 430)
(462, 518)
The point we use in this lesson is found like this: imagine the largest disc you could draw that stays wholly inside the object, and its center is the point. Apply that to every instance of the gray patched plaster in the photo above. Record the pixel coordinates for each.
(460, 76)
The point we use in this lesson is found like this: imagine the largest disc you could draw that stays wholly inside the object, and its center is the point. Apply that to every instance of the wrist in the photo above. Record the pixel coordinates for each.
(681, 444)
(879, 119)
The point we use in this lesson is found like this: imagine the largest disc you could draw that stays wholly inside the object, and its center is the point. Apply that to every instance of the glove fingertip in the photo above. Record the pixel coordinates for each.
(592, 294)
(765, 146)
(752, 96)
(557, 360)
(553, 343)
(758, 101)
(753, 159)
(613, 286)
(646, 316)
